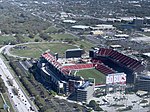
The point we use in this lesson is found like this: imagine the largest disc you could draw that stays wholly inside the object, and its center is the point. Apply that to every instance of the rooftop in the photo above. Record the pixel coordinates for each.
(80, 27)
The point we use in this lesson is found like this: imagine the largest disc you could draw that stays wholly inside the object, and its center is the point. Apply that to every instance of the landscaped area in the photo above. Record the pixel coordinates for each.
(36, 49)
(62, 36)
(93, 73)
(6, 39)
(1, 105)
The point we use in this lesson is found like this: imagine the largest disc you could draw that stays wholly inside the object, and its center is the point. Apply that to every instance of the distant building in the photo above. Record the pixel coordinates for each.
(138, 22)
(85, 92)
(69, 21)
(103, 27)
(145, 29)
(80, 27)
(63, 15)
(147, 20)
(115, 46)
(97, 32)
(121, 36)
(126, 19)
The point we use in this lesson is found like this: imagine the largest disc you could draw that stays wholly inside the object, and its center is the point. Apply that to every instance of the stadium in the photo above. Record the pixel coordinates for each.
(101, 62)
(110, 61)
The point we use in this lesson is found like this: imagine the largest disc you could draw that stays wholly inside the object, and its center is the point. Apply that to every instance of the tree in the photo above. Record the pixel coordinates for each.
(39, 101)
(2, 86)
(97, 108)
(15, 91)
(45, 36)
(10, 81)
(81, 46)
(31, 35)
(36, 40)
(53, 93)
(92, 103)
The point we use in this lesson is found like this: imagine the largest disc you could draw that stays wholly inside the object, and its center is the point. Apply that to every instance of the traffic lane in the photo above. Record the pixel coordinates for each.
(24, 104)
(15, 99)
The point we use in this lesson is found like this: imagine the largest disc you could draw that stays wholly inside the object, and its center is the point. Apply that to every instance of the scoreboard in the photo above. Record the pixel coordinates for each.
(74, 53)
(116, 78)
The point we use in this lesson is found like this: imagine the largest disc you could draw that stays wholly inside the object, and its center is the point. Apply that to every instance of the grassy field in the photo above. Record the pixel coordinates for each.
(6, 39)
(51, 29)
(86, 45)
(35, 50)
(93, 73)
(62, 36)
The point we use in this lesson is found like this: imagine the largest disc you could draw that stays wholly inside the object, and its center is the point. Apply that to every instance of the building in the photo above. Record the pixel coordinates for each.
(121, 36)
(85, 92)
(147, 20)
(74, 53)
(69, 21)
(138, 22)
(97, 32)
(80, 27)
(143, 83)
(103, 27)
(126, 19)
(145, 29)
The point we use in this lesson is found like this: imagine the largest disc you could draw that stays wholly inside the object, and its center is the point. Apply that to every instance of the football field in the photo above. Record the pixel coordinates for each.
(100, 78)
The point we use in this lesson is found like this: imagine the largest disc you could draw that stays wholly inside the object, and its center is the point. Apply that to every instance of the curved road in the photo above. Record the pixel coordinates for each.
(5, 49)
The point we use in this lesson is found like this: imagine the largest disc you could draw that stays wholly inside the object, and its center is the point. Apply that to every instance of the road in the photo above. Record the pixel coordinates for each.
(21, 102)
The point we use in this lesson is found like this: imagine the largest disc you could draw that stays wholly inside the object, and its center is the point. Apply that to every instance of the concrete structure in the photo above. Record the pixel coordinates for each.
(85, 92)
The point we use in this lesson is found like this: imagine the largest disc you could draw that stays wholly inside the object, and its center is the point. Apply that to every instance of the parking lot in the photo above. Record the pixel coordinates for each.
(123, 102)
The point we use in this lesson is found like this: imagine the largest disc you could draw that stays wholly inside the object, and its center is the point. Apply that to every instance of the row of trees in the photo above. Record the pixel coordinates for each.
(94, 106)
(35, 89)
(2, 86)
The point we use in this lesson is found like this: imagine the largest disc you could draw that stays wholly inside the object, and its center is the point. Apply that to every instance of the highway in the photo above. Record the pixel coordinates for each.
(20, 102)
